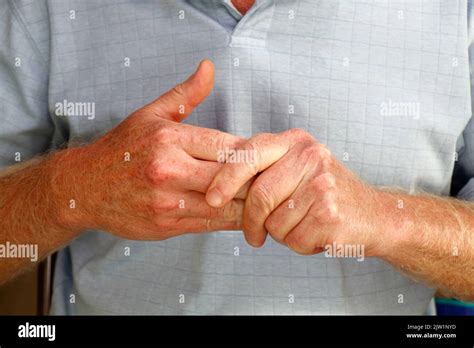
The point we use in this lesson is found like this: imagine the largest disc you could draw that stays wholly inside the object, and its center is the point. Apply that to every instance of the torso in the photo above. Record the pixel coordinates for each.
(384, 85)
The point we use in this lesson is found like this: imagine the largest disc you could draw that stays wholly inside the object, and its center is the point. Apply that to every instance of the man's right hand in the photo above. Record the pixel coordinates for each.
(146, 179)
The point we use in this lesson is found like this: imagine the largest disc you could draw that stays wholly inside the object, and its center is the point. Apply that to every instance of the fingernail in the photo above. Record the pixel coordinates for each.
(214, 198)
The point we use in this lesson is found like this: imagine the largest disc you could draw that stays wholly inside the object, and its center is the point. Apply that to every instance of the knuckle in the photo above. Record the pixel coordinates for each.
(260, 139)
(225, 142)
(325, 156)
(266, 137)
(274, 229)
(220, 144)
(309, 154)
(327, 163)
(231, 211)
(162, 134)
(161, 172)
(324, 182)
(152, 108)
(271, 224)
(161, 207)
(261, 197)
(329, 180)
(332, 213)
(298, 243)
(159, 223)
(328, 212)
(253, 166)
(324, 151)
(299, 133)
(178, 90)
(263, 137)
(254, 148)
(152, 173)
(168, 227)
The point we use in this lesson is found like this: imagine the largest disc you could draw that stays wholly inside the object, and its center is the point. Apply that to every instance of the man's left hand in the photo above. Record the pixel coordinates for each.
(302, 195)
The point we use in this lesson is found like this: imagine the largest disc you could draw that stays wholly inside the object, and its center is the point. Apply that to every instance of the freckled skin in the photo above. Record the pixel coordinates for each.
(146, 190)
(173, 162)
(136, 199)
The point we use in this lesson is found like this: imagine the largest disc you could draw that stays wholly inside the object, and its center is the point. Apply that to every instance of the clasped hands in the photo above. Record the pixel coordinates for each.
(152, 178)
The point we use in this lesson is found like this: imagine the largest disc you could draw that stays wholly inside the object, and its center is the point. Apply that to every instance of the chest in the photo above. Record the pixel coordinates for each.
(385, 85)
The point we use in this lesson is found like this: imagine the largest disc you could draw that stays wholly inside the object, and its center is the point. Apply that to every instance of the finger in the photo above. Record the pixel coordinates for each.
(199, 225)
(208, 144)
(269, 190)
(289, 213)
(180, 101)
(146, 231)
(243, 192)
(283, 219)
(258, 154)
(200, 176)
(305, 238)
(311, 233)
(193, 204)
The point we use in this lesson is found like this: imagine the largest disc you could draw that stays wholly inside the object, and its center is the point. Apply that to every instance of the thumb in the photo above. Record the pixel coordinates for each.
(180, 101)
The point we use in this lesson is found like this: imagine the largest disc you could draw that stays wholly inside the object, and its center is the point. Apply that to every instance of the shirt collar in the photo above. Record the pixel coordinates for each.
(232, 9)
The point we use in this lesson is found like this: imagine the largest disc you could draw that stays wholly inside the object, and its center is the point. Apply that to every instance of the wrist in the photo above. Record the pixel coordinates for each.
(67, 188)
(394, 223)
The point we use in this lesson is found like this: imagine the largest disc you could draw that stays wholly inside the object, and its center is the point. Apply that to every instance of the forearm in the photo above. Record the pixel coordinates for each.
(429, 238)
(30, 213)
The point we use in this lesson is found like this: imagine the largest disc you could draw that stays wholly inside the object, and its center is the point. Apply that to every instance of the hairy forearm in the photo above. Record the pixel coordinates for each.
(30, 212)
(431, 239)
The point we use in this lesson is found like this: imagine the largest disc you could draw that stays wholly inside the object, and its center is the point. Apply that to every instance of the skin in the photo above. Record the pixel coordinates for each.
(157, 194)
(429, 238)
(243, 5)
(172, 163)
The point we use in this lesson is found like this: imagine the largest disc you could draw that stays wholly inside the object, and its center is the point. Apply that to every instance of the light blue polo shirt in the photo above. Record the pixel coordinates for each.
(384, 84)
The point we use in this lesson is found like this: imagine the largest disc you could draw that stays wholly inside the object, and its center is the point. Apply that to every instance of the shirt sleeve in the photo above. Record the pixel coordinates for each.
(25, 125)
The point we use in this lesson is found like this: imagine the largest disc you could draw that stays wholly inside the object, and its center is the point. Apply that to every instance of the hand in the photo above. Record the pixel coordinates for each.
(146, 178)
(303, 197)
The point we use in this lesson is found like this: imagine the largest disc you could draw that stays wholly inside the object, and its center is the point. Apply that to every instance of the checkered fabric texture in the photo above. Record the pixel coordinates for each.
(341, 70)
